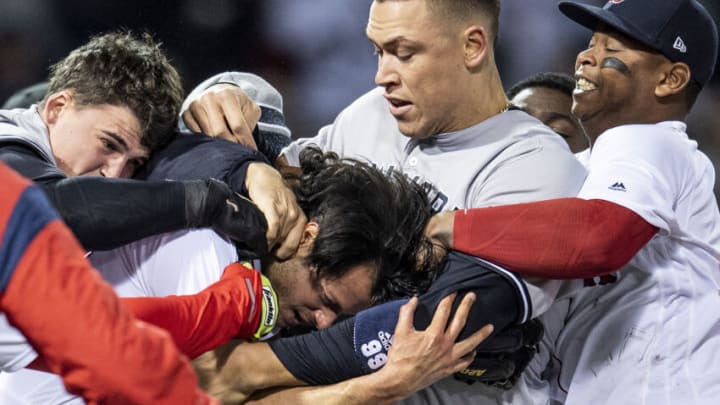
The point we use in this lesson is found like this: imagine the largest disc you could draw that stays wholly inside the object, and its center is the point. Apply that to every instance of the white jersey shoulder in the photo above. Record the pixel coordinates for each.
(649, 334)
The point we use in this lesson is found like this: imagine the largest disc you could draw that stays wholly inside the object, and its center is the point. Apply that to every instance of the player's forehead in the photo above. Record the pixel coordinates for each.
(542, 98)
(405, 21)
(351, 292)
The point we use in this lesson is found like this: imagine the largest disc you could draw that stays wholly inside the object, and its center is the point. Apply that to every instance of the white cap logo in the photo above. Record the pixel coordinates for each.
(680, 45)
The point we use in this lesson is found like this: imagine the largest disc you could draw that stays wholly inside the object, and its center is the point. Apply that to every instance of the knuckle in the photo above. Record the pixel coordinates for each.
(255, 110)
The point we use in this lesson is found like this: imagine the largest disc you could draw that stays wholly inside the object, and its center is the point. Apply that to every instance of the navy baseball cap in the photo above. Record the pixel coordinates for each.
(681, 30)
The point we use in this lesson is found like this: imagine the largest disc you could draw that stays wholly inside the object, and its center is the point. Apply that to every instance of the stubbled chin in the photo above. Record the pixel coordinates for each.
(413, 129)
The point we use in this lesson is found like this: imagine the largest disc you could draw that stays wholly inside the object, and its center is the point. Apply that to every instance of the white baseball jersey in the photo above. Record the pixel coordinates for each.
(652, 336)
(509, 158)
(178, 263)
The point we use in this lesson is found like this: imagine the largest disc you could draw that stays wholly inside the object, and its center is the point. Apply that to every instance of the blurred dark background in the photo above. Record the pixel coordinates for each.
(314, 51)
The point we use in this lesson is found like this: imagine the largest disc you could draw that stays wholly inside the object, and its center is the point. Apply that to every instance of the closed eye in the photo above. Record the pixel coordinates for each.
(109, 145)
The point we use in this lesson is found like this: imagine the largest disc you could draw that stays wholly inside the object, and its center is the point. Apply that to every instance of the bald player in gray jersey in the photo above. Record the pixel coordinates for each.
(439, 115)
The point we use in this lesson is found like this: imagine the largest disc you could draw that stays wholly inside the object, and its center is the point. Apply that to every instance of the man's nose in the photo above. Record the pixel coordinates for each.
(117, 167)
(385, 75)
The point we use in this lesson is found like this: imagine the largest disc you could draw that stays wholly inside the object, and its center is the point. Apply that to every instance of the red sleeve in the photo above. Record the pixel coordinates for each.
(227, 309)
(74, 320)
(562, 239)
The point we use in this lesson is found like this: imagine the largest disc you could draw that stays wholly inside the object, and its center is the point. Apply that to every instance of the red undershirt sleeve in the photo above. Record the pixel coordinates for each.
(230, 308)
(561, 239)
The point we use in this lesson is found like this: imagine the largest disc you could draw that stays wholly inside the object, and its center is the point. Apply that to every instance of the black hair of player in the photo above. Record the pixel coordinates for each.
(561, 82)
(365, 217)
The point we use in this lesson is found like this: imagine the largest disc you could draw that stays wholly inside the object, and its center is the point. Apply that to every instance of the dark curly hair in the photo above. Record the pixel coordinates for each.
(366, 217)
(124, 70)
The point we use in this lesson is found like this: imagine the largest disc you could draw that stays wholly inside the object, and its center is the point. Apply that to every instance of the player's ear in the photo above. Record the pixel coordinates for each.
(55, 105)
(676, 77)
(309, 234)
(477, 44)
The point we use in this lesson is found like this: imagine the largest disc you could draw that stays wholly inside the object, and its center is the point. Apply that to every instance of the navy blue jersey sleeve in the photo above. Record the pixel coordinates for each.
(195, 157)
(332, 358)
(360, 345)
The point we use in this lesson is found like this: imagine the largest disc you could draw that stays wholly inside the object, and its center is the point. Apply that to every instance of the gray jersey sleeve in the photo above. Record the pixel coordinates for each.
(321, 140)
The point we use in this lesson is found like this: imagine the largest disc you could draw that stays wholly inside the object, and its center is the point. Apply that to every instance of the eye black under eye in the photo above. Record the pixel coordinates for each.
(614, 63)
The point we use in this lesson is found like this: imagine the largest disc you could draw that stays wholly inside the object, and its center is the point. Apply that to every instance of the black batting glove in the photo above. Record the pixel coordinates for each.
(211, 204)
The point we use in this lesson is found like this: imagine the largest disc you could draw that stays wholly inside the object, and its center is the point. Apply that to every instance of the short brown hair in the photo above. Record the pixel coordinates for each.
(124, 70)
(460, 10)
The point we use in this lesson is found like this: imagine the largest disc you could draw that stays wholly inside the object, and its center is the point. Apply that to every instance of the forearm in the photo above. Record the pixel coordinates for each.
(107, 213)
(562, 239)
(248, 368)
(229, 308)
(194, 322)
(376, 389)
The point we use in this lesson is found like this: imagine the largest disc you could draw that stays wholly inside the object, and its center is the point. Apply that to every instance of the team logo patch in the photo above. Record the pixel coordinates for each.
(617, 186)
(271, 310)
(680, 45)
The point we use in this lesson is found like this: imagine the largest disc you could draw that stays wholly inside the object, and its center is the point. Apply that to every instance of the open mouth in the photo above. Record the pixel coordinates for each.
(397, 106)
(582, 85)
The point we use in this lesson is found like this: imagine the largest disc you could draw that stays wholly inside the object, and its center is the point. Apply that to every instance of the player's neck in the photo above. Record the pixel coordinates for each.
(597, 125)
(489, 99)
